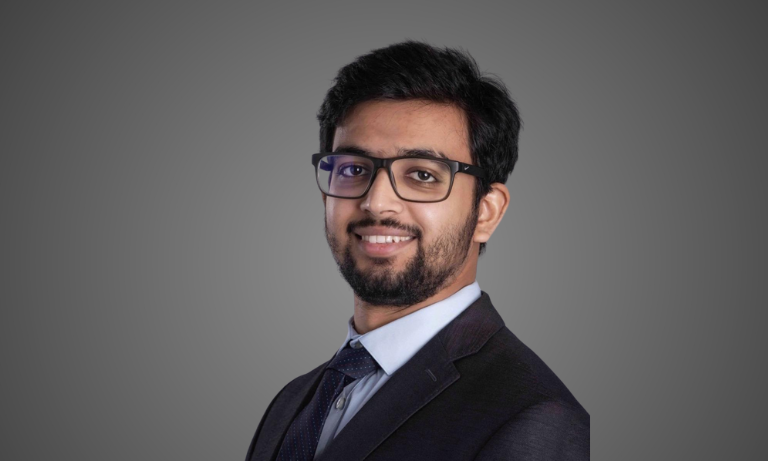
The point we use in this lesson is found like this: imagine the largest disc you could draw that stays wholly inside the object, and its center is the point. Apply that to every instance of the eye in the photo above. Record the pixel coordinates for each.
(422, 176)
(352, 170)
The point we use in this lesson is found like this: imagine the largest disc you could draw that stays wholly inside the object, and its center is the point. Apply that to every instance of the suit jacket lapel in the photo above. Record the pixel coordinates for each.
(286, 408)
(416, 383)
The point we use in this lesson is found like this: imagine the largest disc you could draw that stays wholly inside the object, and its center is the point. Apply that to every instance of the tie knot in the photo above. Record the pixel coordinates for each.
(354, 363)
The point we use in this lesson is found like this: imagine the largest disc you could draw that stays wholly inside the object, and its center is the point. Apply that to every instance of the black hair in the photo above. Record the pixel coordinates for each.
(416, 70)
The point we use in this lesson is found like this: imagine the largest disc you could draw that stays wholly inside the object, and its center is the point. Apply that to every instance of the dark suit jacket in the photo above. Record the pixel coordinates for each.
(473, 392)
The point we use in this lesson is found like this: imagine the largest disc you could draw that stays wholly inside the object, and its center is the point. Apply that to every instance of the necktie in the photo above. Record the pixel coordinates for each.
(301, 440)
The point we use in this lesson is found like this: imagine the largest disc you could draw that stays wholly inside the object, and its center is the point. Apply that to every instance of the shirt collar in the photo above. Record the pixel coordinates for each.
(393, 344)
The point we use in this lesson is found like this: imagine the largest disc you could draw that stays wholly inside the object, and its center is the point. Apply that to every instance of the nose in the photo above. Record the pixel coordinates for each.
(381, 199)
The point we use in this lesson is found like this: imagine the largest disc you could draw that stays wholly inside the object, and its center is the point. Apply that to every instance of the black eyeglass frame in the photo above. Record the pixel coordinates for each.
(386, 163)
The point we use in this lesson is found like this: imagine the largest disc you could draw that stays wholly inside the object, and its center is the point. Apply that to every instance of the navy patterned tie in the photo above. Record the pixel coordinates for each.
(301, 440)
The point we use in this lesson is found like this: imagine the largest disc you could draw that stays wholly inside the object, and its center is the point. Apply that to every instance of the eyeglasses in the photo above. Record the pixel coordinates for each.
(414, 178)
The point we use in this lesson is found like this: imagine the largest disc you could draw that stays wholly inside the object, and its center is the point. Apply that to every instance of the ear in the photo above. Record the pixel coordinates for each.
(491, 209)
(324, 197)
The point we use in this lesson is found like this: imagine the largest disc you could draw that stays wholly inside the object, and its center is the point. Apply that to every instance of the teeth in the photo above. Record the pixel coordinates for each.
(385, 238)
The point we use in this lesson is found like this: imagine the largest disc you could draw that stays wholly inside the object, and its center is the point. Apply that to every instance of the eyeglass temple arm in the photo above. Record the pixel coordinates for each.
(472, 170)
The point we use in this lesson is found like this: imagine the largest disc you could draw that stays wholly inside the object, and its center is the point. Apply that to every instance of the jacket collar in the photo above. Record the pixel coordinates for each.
(415, 384)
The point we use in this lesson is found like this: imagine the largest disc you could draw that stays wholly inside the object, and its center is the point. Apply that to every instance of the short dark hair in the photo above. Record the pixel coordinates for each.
(416, 70)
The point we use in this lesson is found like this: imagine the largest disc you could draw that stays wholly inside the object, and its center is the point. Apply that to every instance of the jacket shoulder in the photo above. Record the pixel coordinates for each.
(533, 413)
(548, 430)
(515, 376)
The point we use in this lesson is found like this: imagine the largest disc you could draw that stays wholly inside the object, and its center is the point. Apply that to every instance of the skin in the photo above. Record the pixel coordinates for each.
(385, 128)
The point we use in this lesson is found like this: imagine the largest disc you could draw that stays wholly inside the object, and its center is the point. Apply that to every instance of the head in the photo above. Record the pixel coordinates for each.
(405, 97)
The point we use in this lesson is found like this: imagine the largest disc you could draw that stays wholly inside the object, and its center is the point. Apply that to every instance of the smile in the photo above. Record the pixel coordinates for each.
(379, 246)
(385, 238)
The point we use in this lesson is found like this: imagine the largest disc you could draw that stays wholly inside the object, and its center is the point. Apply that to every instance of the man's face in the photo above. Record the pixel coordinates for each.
(435, 238)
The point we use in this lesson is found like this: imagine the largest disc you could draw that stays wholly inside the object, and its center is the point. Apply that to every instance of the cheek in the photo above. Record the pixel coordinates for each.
(430, 218)
(337, 213)
(436, 218)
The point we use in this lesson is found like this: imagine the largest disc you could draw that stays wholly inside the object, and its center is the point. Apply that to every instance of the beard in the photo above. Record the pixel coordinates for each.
(430, 269)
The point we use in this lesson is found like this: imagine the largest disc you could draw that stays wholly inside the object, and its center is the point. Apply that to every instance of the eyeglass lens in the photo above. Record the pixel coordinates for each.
(415, 178)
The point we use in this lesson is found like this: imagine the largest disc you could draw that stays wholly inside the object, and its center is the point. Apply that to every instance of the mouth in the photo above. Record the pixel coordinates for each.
(383, 245)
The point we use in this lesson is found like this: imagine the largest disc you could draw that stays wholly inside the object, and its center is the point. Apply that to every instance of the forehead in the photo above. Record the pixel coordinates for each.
(385, 128)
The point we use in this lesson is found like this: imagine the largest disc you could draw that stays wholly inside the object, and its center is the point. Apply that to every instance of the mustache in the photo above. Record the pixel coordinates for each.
(387, 222)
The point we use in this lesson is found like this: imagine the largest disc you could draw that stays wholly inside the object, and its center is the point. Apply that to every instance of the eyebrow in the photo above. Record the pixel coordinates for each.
(400, 152)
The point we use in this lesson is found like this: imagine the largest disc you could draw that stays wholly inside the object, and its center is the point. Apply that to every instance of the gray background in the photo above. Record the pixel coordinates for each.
(164, 269)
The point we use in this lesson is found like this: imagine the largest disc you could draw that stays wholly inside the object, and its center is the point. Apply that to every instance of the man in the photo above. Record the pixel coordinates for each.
(416, 147)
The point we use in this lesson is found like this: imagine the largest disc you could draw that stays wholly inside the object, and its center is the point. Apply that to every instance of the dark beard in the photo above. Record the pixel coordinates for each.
(430, 269)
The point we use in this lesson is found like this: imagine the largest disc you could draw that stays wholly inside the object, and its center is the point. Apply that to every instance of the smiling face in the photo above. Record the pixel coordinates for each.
(393, 252)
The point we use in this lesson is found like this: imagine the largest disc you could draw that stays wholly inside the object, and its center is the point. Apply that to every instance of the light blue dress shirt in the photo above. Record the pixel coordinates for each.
(391, 345)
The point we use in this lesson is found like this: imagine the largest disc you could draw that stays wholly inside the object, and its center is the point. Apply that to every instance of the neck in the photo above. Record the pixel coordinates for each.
(368, 317)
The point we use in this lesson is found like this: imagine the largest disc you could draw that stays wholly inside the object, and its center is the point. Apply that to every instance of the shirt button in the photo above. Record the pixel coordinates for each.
(357, 345)
(340, 403)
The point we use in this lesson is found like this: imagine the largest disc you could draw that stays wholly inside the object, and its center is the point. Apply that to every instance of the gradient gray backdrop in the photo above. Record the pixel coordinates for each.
(164, 269)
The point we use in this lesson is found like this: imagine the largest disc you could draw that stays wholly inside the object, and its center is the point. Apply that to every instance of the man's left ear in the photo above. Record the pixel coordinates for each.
(491, 209)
